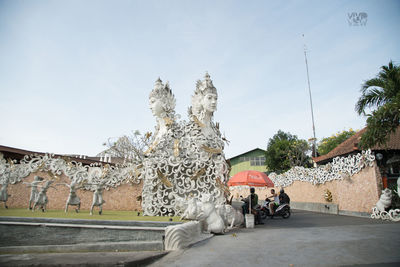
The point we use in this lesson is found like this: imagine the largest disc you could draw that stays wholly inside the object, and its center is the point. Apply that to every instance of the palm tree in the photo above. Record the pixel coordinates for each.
(382, 96)
(380, 90)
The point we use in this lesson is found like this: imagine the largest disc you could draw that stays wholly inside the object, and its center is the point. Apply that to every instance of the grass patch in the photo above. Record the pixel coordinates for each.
(84, 214)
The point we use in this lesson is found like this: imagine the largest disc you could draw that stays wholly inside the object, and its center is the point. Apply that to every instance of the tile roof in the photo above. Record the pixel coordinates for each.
(17, 153)
(351, 145)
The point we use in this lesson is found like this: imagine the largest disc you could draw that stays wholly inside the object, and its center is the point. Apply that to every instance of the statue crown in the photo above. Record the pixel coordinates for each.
(205, 86)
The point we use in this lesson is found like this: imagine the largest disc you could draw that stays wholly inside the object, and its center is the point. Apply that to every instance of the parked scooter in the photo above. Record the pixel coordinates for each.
(282, 210)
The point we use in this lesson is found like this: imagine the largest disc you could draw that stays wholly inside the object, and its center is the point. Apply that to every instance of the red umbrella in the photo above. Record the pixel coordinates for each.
(250, 178)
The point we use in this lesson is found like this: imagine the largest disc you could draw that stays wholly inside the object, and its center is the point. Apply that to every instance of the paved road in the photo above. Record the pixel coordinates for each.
(305, 239)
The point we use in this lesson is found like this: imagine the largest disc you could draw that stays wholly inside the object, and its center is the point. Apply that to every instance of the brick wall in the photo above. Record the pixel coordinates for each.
(356, 194)
(122, 197)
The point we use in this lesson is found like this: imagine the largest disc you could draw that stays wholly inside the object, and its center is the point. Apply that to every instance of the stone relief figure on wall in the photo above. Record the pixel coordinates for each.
(3, 192)
(34, 190)
(73, 199)
(98, 200)
(42, 199)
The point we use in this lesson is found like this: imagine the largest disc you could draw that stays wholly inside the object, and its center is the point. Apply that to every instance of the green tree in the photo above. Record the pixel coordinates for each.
(285, 151)
(381, 95)
(329, 143)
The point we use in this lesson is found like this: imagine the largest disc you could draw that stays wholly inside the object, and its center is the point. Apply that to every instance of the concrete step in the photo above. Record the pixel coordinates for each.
(40, 234)
(89, 222)
(86, 247)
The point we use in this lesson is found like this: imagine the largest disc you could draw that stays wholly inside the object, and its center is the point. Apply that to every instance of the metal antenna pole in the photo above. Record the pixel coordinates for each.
(312, 112)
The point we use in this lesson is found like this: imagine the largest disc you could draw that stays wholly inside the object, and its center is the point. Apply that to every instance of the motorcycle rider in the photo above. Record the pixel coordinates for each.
(283, 197)
(274, 203)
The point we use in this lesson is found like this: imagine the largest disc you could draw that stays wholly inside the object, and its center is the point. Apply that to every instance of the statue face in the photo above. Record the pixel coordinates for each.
(156, 107)
(210, 102)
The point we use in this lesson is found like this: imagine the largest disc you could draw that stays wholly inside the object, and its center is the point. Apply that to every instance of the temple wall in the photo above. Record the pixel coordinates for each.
(122, 197)
(358, 193)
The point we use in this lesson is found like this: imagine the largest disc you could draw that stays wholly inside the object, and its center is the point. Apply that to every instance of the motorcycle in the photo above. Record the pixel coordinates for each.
(282, 210)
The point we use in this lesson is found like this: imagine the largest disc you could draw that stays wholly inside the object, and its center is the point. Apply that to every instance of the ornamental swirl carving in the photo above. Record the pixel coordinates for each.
(340, 168)
(88, 175)
(186, 158)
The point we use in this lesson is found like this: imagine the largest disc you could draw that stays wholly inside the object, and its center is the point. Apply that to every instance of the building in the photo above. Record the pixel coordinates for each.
(387, 156)
(250, 160)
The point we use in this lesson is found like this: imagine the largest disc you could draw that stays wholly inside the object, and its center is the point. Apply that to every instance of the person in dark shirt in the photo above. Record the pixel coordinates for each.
(283, 197)
(254, 204)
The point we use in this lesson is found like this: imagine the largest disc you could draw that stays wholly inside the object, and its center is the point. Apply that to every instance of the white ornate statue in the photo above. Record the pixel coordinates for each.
(34, 190)
(73, 198)
(98, 200)
(385, 200)
(231, 216)
(204, 158)
(184, 159)
(209, 215)
(162, 158)
(41, 198)
(192, 210)
(3, 192)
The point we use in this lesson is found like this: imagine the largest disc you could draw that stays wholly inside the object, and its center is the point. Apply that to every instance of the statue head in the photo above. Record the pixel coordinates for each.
(162, 101)
(205, 97)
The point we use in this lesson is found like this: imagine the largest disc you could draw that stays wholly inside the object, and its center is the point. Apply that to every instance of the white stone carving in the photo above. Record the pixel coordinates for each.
(73, 199)
(341, 167)
(34, 190)
(385, 200)
(41, 198)
(182, 235)
(4, 193)
(192, 210)
(98, 200)
(231, 217)
(212, 221)
(185, 159)
(391, 215)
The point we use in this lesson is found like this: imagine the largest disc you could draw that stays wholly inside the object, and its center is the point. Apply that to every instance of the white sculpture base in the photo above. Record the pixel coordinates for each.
(183, 235)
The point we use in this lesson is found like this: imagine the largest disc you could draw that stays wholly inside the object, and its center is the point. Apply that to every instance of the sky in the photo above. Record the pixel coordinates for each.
(75, 73)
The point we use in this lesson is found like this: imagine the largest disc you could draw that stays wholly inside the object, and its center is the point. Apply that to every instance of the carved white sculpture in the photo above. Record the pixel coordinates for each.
(42, 199)
(205, 160)
(213, 223)
(98, 200)
(231, 216)
(4, 193)
(34, 190)
(385, 200)
(73, 199)
(184, 159)
(340, 168)
(161, 165)
(213, 218)
(192, 210)
(182, 235)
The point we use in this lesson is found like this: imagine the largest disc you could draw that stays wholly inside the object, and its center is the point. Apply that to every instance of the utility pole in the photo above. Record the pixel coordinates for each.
(314, 153)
